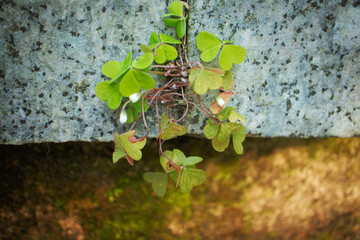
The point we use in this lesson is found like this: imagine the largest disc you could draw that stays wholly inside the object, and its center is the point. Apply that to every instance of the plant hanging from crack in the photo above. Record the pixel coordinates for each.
(183, 85)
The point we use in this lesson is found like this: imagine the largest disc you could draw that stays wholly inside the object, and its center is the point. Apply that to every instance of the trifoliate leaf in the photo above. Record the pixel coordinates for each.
(158, 181)
(211, 129)
(234, 116)
(168, 39)
(172, 130)
(190, 178)
(226, 130)
(165, 53)
(171, 22)
(134, 80)
(220, 146)
(238, 138)
(231, 54)
(180, 155)
(144, 61)
(205, 79)
(209, 45)
(109, 92)
(131, 147)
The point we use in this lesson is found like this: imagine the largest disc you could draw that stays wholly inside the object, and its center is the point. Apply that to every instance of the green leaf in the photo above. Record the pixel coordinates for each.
(138, 105)
(119, 152)
(134, 109)
(134, 80)
(211, 129)
(171, 22)
(170, 15)
(176, 8)
(158, 181)
(165, 53)
(206, 79)
(132, 148)
(189, 161)
(238, 138)
(234, 116)
(228, 80)
(109, 92)
(168, 39)
(172, 130)
(190, 178)
(209, 45)
(144, 61)
(111, 69)
(172, 157)
(226, 130)
(225, 113)
(154, 39)
(220, 146)
(231, 54)
(181, 28)
(125, 66)
(180, 155)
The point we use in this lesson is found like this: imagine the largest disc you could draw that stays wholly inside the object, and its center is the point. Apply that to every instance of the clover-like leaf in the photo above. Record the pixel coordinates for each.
(181, 28)
(154, 39)
(109, 92)
(209, 45)
(165, 53)
(134, 80)
(172, 130)
(164, 161)
(228, 80)
(116, 70)
(231, 54)
(220, 146)
(176, 8)
(238, 138)
(190, 178)
(129, 145)
(144, 61)
(205, 79)
(211, 129)
(226, 130)
(168, 39)
(215, 108)
(158, 181)
(176, 18)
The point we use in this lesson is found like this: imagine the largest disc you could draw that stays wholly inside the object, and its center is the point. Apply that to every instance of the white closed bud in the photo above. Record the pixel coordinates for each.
(135, 97)
(123, 116)
(220, 101)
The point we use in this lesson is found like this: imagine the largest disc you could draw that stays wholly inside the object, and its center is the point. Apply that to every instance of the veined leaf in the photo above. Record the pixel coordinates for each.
(134, 80)
(158, 181)
(132, 149)
(226, 130)
(205, 79)
(172, 130)
(220, 146)
(234, 116)
(190, 178)
(231, 54)
(119, 152)
(165, 53)
(164, 161)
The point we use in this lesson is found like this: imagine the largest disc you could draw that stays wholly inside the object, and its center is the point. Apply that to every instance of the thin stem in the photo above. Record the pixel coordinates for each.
(187, 106)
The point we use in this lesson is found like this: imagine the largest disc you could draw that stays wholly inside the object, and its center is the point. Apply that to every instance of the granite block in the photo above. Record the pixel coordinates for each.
(300, 77)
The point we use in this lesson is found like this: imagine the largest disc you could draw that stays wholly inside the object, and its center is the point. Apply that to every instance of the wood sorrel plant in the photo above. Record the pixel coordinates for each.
(184, 84)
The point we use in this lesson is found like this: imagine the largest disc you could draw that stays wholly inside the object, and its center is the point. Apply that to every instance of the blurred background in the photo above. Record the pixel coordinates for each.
(280, 188)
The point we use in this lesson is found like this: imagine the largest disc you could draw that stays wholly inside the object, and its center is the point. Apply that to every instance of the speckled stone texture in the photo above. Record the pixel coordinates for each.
(300, 78)
(302, 73)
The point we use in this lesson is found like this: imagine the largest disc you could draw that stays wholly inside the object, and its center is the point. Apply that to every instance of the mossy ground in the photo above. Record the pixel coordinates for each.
(279, 189)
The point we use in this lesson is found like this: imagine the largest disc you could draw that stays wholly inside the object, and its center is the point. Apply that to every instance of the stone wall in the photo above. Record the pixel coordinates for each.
(300, 78)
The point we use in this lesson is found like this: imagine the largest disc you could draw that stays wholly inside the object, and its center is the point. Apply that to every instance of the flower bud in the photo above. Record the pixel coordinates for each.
(135, 97)
(123, 116)
(220, 101)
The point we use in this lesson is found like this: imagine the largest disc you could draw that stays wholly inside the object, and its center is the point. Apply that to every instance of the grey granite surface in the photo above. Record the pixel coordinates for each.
(300, 78)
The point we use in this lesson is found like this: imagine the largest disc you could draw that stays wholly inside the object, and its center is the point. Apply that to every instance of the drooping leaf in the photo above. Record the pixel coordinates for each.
(226, 130)
(181, 28)
(158, 181)
(172, 130)
(209, 45)
(164, 161)
(165, 53)
(134, 80)
(131, 114)
(238, 138)
(205, 79)
(180, 155)
(119, 152)
(168, 39)
(231, 54)
(215, 108)
(190, 178)
(220, 146)
(130, 147)
(144, 61)
(211, 129)
(109, 92)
